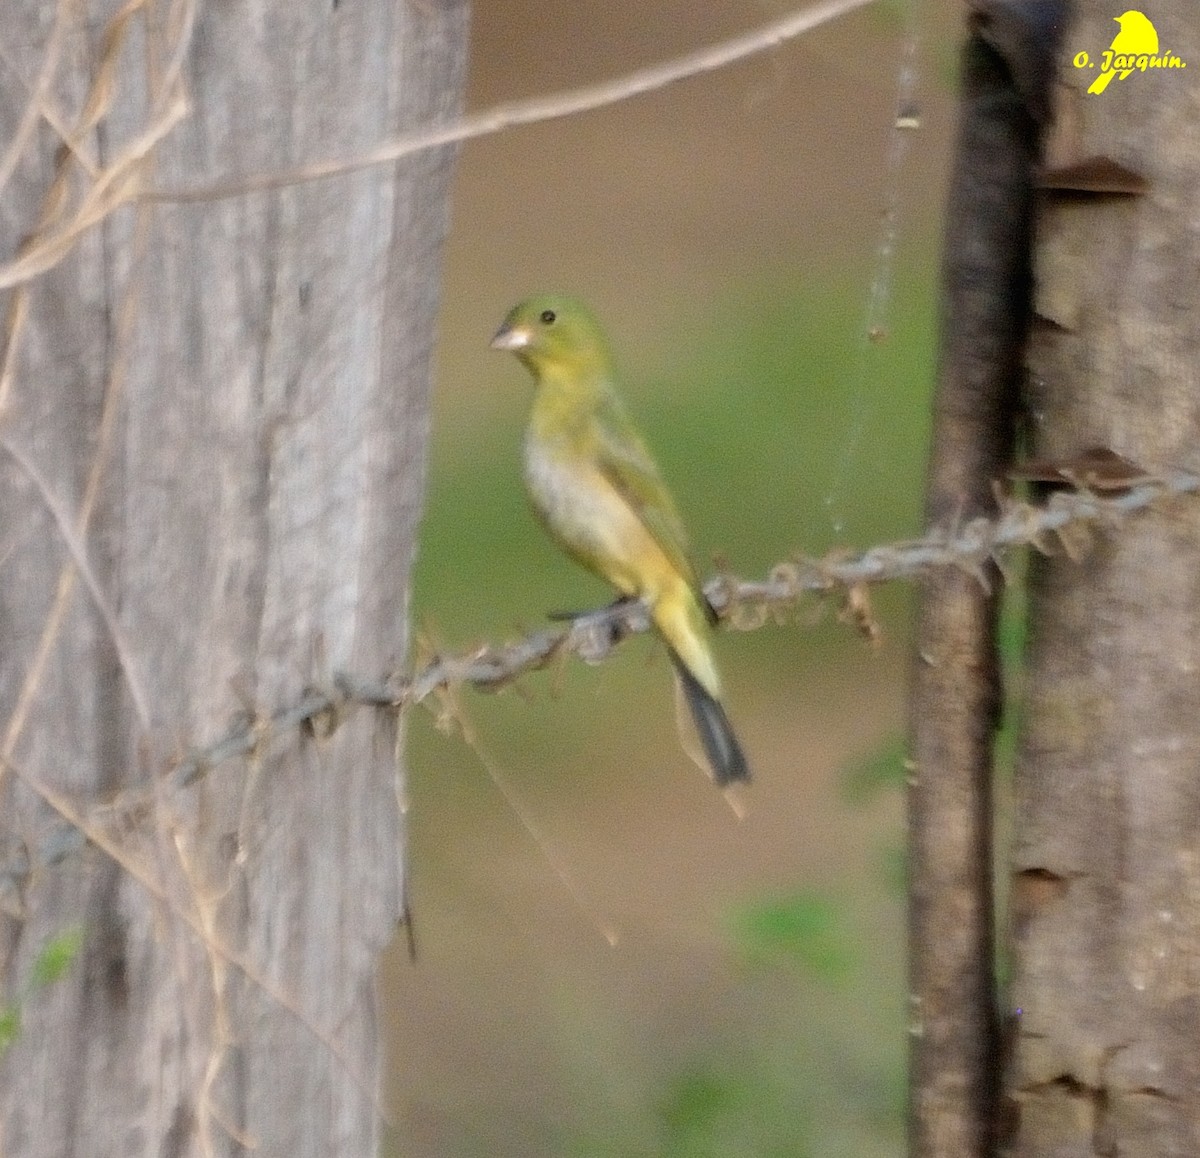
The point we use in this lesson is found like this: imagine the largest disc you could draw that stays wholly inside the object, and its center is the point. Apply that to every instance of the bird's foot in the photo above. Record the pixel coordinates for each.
(584, 616)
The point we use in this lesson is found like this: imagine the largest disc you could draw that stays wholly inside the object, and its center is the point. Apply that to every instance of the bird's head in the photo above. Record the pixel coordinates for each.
(1133, 19)
(554, 335)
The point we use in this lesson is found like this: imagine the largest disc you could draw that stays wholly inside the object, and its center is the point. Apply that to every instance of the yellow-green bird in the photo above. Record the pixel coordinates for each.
(599, 493)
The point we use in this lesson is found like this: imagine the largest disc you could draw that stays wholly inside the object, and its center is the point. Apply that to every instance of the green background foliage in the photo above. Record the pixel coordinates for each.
(727, 232)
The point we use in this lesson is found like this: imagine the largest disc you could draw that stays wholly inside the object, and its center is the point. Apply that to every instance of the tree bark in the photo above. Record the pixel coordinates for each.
(1106, 923)
(229, 399)
(954, 1055)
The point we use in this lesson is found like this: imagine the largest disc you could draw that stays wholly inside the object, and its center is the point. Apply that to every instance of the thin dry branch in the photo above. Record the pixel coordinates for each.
(39, 93)
(78, 553)
(110, 187)
(121, 183)
(94, 834)
(127, 314)
(116, 185)
(43, 249)
(535, 110)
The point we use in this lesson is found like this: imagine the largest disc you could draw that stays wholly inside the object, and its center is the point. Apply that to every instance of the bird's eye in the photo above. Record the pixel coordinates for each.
(548, 317)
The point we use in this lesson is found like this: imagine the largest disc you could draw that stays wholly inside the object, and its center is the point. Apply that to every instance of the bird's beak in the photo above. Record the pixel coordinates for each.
(511, 338)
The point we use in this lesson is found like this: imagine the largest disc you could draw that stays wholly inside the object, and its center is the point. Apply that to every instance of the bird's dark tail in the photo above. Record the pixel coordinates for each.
(725, 755)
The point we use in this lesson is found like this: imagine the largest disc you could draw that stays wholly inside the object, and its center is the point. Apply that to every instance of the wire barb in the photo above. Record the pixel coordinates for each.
(977, 547)
(974, 547)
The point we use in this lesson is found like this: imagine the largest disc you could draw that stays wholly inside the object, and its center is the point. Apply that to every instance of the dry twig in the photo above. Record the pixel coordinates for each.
(537, 109)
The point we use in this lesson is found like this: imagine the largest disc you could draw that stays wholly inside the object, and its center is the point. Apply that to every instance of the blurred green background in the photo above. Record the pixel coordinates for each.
(727, 231)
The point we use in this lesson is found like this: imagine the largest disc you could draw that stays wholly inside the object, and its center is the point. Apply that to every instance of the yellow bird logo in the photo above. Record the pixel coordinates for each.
(1136, 38)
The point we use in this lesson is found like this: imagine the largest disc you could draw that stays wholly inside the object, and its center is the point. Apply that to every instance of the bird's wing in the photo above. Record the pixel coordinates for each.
(626, 463)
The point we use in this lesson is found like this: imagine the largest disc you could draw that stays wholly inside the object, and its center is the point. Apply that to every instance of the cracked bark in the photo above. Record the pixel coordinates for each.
(955, 1048)
(1106, 897)
(264, 364)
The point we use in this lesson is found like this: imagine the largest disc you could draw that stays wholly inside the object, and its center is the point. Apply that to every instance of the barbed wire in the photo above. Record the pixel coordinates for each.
(743, 604)
(977, 546)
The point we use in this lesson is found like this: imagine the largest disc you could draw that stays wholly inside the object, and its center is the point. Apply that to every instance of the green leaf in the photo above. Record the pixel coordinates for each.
(697, 1105)
(803, 929)
(882, 770)
(56, 958)
(893, 866)
(10, 1026)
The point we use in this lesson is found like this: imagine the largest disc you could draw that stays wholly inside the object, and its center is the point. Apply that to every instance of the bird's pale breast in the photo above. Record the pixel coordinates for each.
(590, 519)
